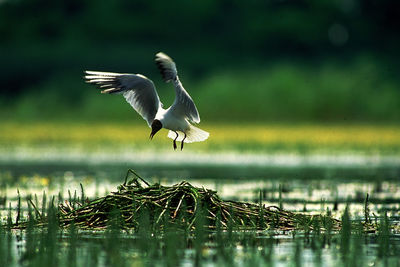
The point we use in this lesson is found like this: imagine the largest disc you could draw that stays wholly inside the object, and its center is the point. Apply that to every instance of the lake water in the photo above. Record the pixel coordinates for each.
(309, 184)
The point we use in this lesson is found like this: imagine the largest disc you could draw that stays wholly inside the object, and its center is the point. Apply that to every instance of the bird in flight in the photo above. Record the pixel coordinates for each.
(140, 92)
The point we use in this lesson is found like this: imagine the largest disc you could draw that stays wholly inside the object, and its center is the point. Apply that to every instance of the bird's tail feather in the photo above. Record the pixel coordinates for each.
(193, 135)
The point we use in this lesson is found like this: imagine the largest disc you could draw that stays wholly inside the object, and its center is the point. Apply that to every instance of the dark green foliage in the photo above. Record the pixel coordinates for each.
(82, 193)
(73, 243)
(306, 60)
(44, 203)
(116, 247)
(200, 234)
(384, 237)
(9, 218)
(18, 209)
(280, 197)
(366, 209)
(6, 246)
(345, 233)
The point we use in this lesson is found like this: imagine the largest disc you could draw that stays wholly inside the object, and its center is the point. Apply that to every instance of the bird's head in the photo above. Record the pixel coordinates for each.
(155, 127)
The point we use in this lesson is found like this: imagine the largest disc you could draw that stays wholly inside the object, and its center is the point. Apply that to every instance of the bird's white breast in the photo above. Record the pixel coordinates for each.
(171, 122)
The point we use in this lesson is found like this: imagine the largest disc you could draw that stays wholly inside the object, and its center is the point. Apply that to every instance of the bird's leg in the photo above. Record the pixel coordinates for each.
(183, 141)
(175, 140)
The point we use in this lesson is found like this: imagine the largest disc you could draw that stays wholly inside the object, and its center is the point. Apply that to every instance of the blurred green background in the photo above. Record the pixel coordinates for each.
(246, 61)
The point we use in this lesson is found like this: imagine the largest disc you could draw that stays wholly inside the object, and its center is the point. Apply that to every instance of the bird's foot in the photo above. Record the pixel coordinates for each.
(182, 145)
(174, 145)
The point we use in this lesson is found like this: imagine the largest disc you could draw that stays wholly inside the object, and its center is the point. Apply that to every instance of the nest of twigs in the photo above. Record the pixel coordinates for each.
(136, 202)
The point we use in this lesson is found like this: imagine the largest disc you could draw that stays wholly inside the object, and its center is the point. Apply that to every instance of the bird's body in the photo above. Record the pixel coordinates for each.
(140, 93)
(170, 121)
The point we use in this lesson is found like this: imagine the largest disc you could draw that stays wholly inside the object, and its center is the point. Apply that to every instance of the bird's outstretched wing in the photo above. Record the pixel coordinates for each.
(138, 90)
(183, 105)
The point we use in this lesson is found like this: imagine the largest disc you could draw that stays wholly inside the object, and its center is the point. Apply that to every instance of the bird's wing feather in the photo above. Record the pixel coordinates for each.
(138, 90)
(183, 105)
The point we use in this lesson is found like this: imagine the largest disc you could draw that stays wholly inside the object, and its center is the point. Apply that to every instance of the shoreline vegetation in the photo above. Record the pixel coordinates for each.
(372, 139)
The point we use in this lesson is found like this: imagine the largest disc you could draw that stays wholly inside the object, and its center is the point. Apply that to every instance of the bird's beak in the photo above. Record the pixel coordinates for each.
(155, 127)
(153, 132)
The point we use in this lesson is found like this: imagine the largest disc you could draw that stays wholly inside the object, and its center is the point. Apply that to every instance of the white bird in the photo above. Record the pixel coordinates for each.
(141, 94)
